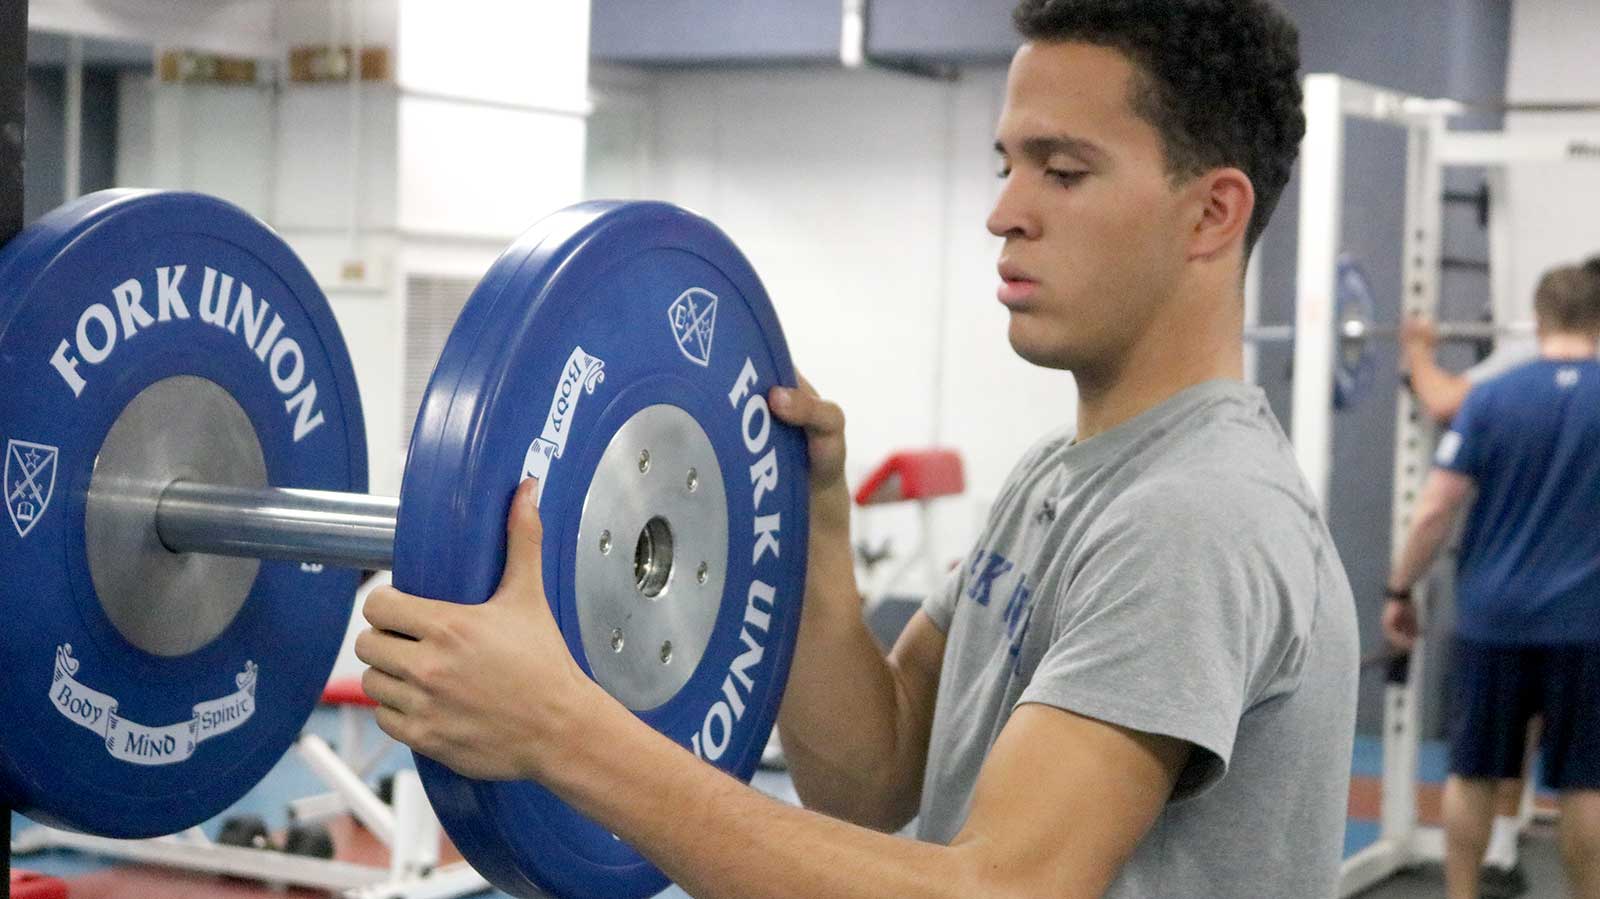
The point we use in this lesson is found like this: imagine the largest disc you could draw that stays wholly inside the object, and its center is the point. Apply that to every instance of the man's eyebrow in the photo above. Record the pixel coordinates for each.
(1045, 147)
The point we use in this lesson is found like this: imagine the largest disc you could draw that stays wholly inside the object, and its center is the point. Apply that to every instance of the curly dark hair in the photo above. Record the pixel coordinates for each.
(1220, 80)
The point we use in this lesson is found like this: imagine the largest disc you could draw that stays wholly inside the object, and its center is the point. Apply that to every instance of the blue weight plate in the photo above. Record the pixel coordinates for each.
(1355, 362)
(116, 297)
(602, 315)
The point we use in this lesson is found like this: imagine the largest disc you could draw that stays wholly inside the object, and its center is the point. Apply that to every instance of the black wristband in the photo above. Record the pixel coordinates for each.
(1398, 595)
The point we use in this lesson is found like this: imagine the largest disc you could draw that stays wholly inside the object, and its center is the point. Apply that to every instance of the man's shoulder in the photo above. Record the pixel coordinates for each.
(1529, 385)
(1227, 466)
(1039, 455)
(1225, 497)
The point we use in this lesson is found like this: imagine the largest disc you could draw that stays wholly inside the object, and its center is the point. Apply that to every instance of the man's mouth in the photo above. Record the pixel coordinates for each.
(1016, 287)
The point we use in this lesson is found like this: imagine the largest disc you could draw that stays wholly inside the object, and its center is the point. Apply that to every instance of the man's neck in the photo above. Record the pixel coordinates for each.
(1567, 346)
(1175, 353)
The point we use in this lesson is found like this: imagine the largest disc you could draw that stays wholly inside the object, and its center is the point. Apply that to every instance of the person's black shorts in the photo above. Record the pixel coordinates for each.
(1497, 689)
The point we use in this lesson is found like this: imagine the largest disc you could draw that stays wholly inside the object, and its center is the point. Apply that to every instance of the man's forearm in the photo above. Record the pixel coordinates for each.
(1439, 392)
(842, 713)
(719, 839)
(1427, 537)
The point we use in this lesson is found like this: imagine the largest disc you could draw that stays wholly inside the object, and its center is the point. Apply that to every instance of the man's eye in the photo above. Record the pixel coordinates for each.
(1064, 176)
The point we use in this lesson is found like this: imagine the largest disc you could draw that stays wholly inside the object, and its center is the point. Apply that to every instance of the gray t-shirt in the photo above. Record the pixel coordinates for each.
(1173, 576)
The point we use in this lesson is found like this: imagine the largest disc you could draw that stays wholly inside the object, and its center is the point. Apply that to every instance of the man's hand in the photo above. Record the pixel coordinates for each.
(1418, 339)
(1400, 624)
(823, 422)
(488, 690)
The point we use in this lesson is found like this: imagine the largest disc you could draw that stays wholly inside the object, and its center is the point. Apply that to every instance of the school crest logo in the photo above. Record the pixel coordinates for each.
(694, 322)
(30, 481)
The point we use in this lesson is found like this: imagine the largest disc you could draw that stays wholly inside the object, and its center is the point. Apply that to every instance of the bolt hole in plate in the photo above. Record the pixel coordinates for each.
(607, 331)
(144, 336)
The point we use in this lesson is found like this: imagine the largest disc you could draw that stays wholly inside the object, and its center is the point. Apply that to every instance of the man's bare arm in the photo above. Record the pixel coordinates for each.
(854, 723)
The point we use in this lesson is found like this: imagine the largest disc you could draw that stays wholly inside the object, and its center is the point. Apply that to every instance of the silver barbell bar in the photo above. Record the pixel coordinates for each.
(1358, 331)
(345, 530)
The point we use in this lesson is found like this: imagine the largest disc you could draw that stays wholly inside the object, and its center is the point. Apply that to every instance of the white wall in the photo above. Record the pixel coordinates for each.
(860, 197)
(1555, 208)
(481, 135)
(237, 27)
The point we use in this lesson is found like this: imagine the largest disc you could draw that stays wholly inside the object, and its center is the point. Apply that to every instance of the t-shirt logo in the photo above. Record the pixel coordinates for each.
(1449, 446)
(1568, 378)
(1017, 612)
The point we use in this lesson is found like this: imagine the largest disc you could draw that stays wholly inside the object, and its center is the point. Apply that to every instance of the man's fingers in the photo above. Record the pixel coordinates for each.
(394, 723)
(387, 609)
(804, 409)
(388, 690)
(392, 653)
(524, 571)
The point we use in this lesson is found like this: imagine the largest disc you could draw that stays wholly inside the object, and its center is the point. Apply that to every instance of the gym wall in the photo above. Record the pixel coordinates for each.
(1554, 208)
(43, 189)
(428, 175)
(861, 198)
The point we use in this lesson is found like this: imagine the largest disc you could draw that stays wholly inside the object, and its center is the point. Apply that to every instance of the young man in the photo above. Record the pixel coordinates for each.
(1528, 587)
(1143, 683)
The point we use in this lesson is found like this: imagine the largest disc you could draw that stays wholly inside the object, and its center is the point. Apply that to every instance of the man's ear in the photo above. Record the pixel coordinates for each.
(1225, 200)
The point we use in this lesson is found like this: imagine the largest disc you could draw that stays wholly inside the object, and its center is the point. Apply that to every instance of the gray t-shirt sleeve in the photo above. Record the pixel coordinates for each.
(941, 605)
(1165, 625)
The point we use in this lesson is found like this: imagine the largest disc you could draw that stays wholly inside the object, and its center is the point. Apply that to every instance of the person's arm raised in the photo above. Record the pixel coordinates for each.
(854, 723)
(1439, 392)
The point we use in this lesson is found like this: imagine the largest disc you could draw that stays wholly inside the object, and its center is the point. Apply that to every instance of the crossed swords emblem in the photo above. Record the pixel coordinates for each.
(694, 320)
(26, 497)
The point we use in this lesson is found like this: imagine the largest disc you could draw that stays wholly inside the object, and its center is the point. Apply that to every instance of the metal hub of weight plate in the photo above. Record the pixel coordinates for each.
(621, 353)
(146, 337)
(1353, 302)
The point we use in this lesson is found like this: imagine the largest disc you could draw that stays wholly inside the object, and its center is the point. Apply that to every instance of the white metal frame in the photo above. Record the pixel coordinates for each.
(1431, 148)
(409, 828)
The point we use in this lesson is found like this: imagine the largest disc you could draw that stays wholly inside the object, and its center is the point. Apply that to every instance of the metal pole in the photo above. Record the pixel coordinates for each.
(72, 132)
(1316, 287)
(1269, 334)
(13, 107)
(346, 530)
(1357, 330)
(13, 101)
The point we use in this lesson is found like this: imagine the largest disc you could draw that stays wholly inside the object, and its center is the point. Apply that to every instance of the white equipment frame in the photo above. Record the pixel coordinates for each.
(1330, 100)
(409, 828)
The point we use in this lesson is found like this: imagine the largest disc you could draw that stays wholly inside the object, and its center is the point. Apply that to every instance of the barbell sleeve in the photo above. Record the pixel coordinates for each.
(345, 530)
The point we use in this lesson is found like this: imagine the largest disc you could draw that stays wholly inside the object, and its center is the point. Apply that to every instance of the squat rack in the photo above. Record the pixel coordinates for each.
(1431, 147)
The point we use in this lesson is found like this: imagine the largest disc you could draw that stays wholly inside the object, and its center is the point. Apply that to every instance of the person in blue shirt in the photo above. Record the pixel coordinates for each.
(1439, 393)
(1524, 453)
